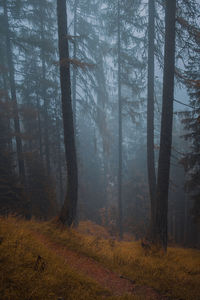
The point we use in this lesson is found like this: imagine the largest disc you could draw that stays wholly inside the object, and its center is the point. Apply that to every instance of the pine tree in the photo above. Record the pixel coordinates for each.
(150, 109)
(191, 122)
(11, 70)
(123, 20)
(68, 212)
(13, 198)
(40, 188)
(161, 224)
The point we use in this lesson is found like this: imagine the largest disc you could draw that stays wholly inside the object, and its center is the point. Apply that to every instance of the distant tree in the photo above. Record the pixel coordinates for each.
(40, 188)
(13, 198)
(191, 121)
(68, 213)
(90, 96)
(39, 80)
(161, 224)
(11, 70)
(123, 20)
(119, 121)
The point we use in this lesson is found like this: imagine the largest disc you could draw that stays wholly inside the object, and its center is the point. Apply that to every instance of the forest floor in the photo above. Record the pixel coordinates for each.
(40, 261)
(117, 284)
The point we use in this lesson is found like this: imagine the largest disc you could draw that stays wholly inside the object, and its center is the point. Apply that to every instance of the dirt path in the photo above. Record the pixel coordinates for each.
(112, 281)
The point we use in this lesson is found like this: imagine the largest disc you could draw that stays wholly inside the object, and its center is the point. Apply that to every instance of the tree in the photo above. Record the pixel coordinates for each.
(39, 85)
(12, 195)
(89, 91)
(11, 70)
(74, 80)
(40, 187)
(160, 227)
(191, 121)
(150, 110)
(120, 122)
(68, 212)
(126, 26)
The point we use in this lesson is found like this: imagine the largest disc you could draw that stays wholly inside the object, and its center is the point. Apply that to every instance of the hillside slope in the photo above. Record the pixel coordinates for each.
(40, 261)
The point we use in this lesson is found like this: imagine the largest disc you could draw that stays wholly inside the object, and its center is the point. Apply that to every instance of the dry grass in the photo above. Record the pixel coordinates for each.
(29, 271)
(177, 274)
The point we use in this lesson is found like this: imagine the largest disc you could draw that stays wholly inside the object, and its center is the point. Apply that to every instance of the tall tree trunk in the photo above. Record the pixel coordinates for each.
(39, 128)
(120, 216)
(59, 162)
(75, 67)
(161, 234)
(68, 212)
(150, 112)
(44, 96)
(102, 99)
(6, 98)
(13, 95)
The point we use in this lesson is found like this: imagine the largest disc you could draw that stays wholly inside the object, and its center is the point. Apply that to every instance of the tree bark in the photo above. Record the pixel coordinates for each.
(39, 127)
(68, 212)
(161, 232)
(75, 67)
(120, 226)
(150, 112)
(59, 162)
(44, 96)
(13, 95)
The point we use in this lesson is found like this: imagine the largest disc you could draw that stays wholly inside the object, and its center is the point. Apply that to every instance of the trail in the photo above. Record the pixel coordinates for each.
(106, 278)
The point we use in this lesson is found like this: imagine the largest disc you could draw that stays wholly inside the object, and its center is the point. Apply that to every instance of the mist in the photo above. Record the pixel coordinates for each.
(109, 86)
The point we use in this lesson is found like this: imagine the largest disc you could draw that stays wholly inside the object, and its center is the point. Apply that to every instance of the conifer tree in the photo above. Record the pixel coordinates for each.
(150, 109)
(68, 212)
(191, 120)
(161, 211)
(11, 69)
(13, 198)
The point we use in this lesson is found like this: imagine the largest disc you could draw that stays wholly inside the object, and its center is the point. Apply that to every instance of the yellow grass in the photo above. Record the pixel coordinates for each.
(29, 271)
(177, 274)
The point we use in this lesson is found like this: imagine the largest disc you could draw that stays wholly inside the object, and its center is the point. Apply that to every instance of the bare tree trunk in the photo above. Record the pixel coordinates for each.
(59, 163)
(186, 223)
(102, 99)
(44, 95)
(120, 216)
(74, 67)
(13, 95)
(161, 234)
(68, 212)
(150, 112)
(39, 128)
(6, 98)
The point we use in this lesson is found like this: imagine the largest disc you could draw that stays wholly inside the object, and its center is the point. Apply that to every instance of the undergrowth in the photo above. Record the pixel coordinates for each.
(176, 274)
(30, 271)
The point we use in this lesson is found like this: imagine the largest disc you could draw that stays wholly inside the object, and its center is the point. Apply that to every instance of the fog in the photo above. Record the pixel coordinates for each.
(108, 56)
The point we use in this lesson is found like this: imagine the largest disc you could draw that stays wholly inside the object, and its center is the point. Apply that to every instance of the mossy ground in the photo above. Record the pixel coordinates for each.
(176, 274)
